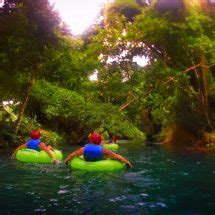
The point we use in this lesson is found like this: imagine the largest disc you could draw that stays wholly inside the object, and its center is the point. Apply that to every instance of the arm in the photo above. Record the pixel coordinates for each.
(46, 149)
(116, 157)
(50, 148)
(23, 146)
(74, 154)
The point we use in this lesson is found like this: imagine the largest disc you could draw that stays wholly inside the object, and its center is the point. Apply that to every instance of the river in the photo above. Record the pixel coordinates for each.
(161, 182)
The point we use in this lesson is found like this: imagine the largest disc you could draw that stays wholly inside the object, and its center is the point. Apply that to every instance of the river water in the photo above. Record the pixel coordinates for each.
(161, 182)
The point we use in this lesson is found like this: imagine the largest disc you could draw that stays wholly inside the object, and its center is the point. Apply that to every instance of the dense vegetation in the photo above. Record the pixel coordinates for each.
(45, 72)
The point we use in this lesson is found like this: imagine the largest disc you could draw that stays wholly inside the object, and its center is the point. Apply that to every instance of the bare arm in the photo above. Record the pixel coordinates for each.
(46, 149)
(116, 157)
(50, 148)
(23, 146)
(74, 154)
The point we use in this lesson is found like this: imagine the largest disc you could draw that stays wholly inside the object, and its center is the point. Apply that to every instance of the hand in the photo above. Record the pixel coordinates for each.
(12, 157)
(54, 161)
(66, 162)
(129, 165)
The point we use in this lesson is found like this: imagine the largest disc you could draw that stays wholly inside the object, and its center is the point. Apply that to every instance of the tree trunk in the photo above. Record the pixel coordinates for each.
(24, 102)
(203, 96)
(147, 124)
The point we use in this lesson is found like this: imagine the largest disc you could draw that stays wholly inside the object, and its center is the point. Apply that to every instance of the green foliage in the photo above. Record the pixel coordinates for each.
(60, 102)
(51, 138)
(25, 34)
(68, 63)
(166, 87)
(170, 87)
(7, 123)
(125, 8)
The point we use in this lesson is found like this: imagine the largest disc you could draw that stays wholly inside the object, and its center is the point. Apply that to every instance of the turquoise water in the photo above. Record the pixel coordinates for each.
(161, 182)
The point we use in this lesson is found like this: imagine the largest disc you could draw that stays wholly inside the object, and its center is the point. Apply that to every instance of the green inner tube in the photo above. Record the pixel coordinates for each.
(103, 165)
(111, 146)
(33, 156)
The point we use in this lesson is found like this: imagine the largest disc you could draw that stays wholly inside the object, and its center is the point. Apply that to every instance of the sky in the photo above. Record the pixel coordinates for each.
(78, 14)
(1, 3)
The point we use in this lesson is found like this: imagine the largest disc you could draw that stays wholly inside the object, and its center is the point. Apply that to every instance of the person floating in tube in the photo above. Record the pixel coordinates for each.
(93, 151)
(112, 138)
(35, 143)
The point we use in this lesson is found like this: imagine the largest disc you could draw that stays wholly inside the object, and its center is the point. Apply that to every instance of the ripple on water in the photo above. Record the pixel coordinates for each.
(40, 210)
(53, 200)
(144, 194)
(159, 182)
(62, 191)
(141, 179)
(157, 204)
(118, 198)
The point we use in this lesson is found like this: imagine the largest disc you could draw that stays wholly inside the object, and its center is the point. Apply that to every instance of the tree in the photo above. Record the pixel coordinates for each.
(180, 53)
(33, 26)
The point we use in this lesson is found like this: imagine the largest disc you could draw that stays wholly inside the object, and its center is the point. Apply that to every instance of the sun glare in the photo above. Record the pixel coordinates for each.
(78, 14)
(94, 76)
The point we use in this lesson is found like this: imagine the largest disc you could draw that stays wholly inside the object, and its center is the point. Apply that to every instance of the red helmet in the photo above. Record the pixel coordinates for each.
(95, 138)
(35, 134)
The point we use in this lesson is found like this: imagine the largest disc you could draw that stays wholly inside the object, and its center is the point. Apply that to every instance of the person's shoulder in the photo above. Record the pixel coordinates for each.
(80, 149)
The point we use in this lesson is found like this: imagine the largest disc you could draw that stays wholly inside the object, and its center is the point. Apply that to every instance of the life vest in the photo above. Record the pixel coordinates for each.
(92, 152)
(33, 144)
